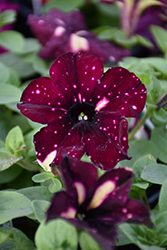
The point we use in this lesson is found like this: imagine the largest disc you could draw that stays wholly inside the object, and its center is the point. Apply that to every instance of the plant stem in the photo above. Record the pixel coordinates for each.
(28, 166)
(139, 124)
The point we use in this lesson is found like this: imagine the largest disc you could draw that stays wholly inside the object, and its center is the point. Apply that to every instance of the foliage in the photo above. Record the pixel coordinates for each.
(26, 190)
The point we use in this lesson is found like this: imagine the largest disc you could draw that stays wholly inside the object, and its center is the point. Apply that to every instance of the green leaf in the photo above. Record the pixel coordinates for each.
(138, 167)
(159, 137)
(41, 66)
(55, 186)
(4, 72)
(161, 222)
(16, 240)
(160, 36)
(139, 234)
(137, 149)
(155, 173)
(87, 242)
(64, 5)
(36, 193)
(13, 205)
(9, 94)
(160, 115)
(12, 40)
(56, 234)
(31, 45)
(41, 177)
(122, 239)
(40, 207)
(3, 236)
(13, 78)
(7, 159)
(10, 174)
(163, 197)
(158, 63)
(14, 140)
(7, 16)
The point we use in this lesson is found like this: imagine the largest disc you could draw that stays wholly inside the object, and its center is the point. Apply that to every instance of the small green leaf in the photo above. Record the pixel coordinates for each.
(138, 167)
(56, 234)
(14, 140)
(155, 173)
(9, 94)
(4, 73)
(159, 137)
(40, 207)
(163, 197)
(160, 115)
(55, 186)
(7, 159)
(16, 240)
(160, 36)
(41, 177)
(87, 242)
(3, 236)
(13, 205)
(7, 16)
(12, 40)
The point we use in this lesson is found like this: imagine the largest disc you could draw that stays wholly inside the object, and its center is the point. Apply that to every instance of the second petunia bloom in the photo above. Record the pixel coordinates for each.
(97, 205)
(84, 110)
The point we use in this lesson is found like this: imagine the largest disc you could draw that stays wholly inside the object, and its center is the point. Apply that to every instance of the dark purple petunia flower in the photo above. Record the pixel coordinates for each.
(138, 15)
(84, 109)
(96, 206)
(60, 32)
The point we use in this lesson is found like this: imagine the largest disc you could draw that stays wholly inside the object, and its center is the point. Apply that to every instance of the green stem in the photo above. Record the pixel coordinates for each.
(139, 124)
(28, 166)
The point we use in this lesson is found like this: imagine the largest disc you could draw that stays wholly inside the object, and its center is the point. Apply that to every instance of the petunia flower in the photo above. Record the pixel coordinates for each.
(84, 110)
(138, 15)
(60, 32)
(96, 205)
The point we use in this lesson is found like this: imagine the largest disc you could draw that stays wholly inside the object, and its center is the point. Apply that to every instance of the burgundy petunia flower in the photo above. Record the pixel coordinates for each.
(96, 206)
(138, 15)
(60, 32)
(84, 109)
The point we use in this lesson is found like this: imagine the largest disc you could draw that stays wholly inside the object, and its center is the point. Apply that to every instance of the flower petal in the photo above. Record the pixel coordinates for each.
(71, 146)
(113, 188)
(42, 101)
(115, 128)
(132, 211)
(77, 75)
(48, 140)
(89, 70)
(78, 175)
(125, 91)
(63, 72)
(122, 179)
(101, 149)
(62, 206)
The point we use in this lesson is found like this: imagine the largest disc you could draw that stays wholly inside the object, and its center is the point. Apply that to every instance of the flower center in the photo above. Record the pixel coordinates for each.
(82, 112)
